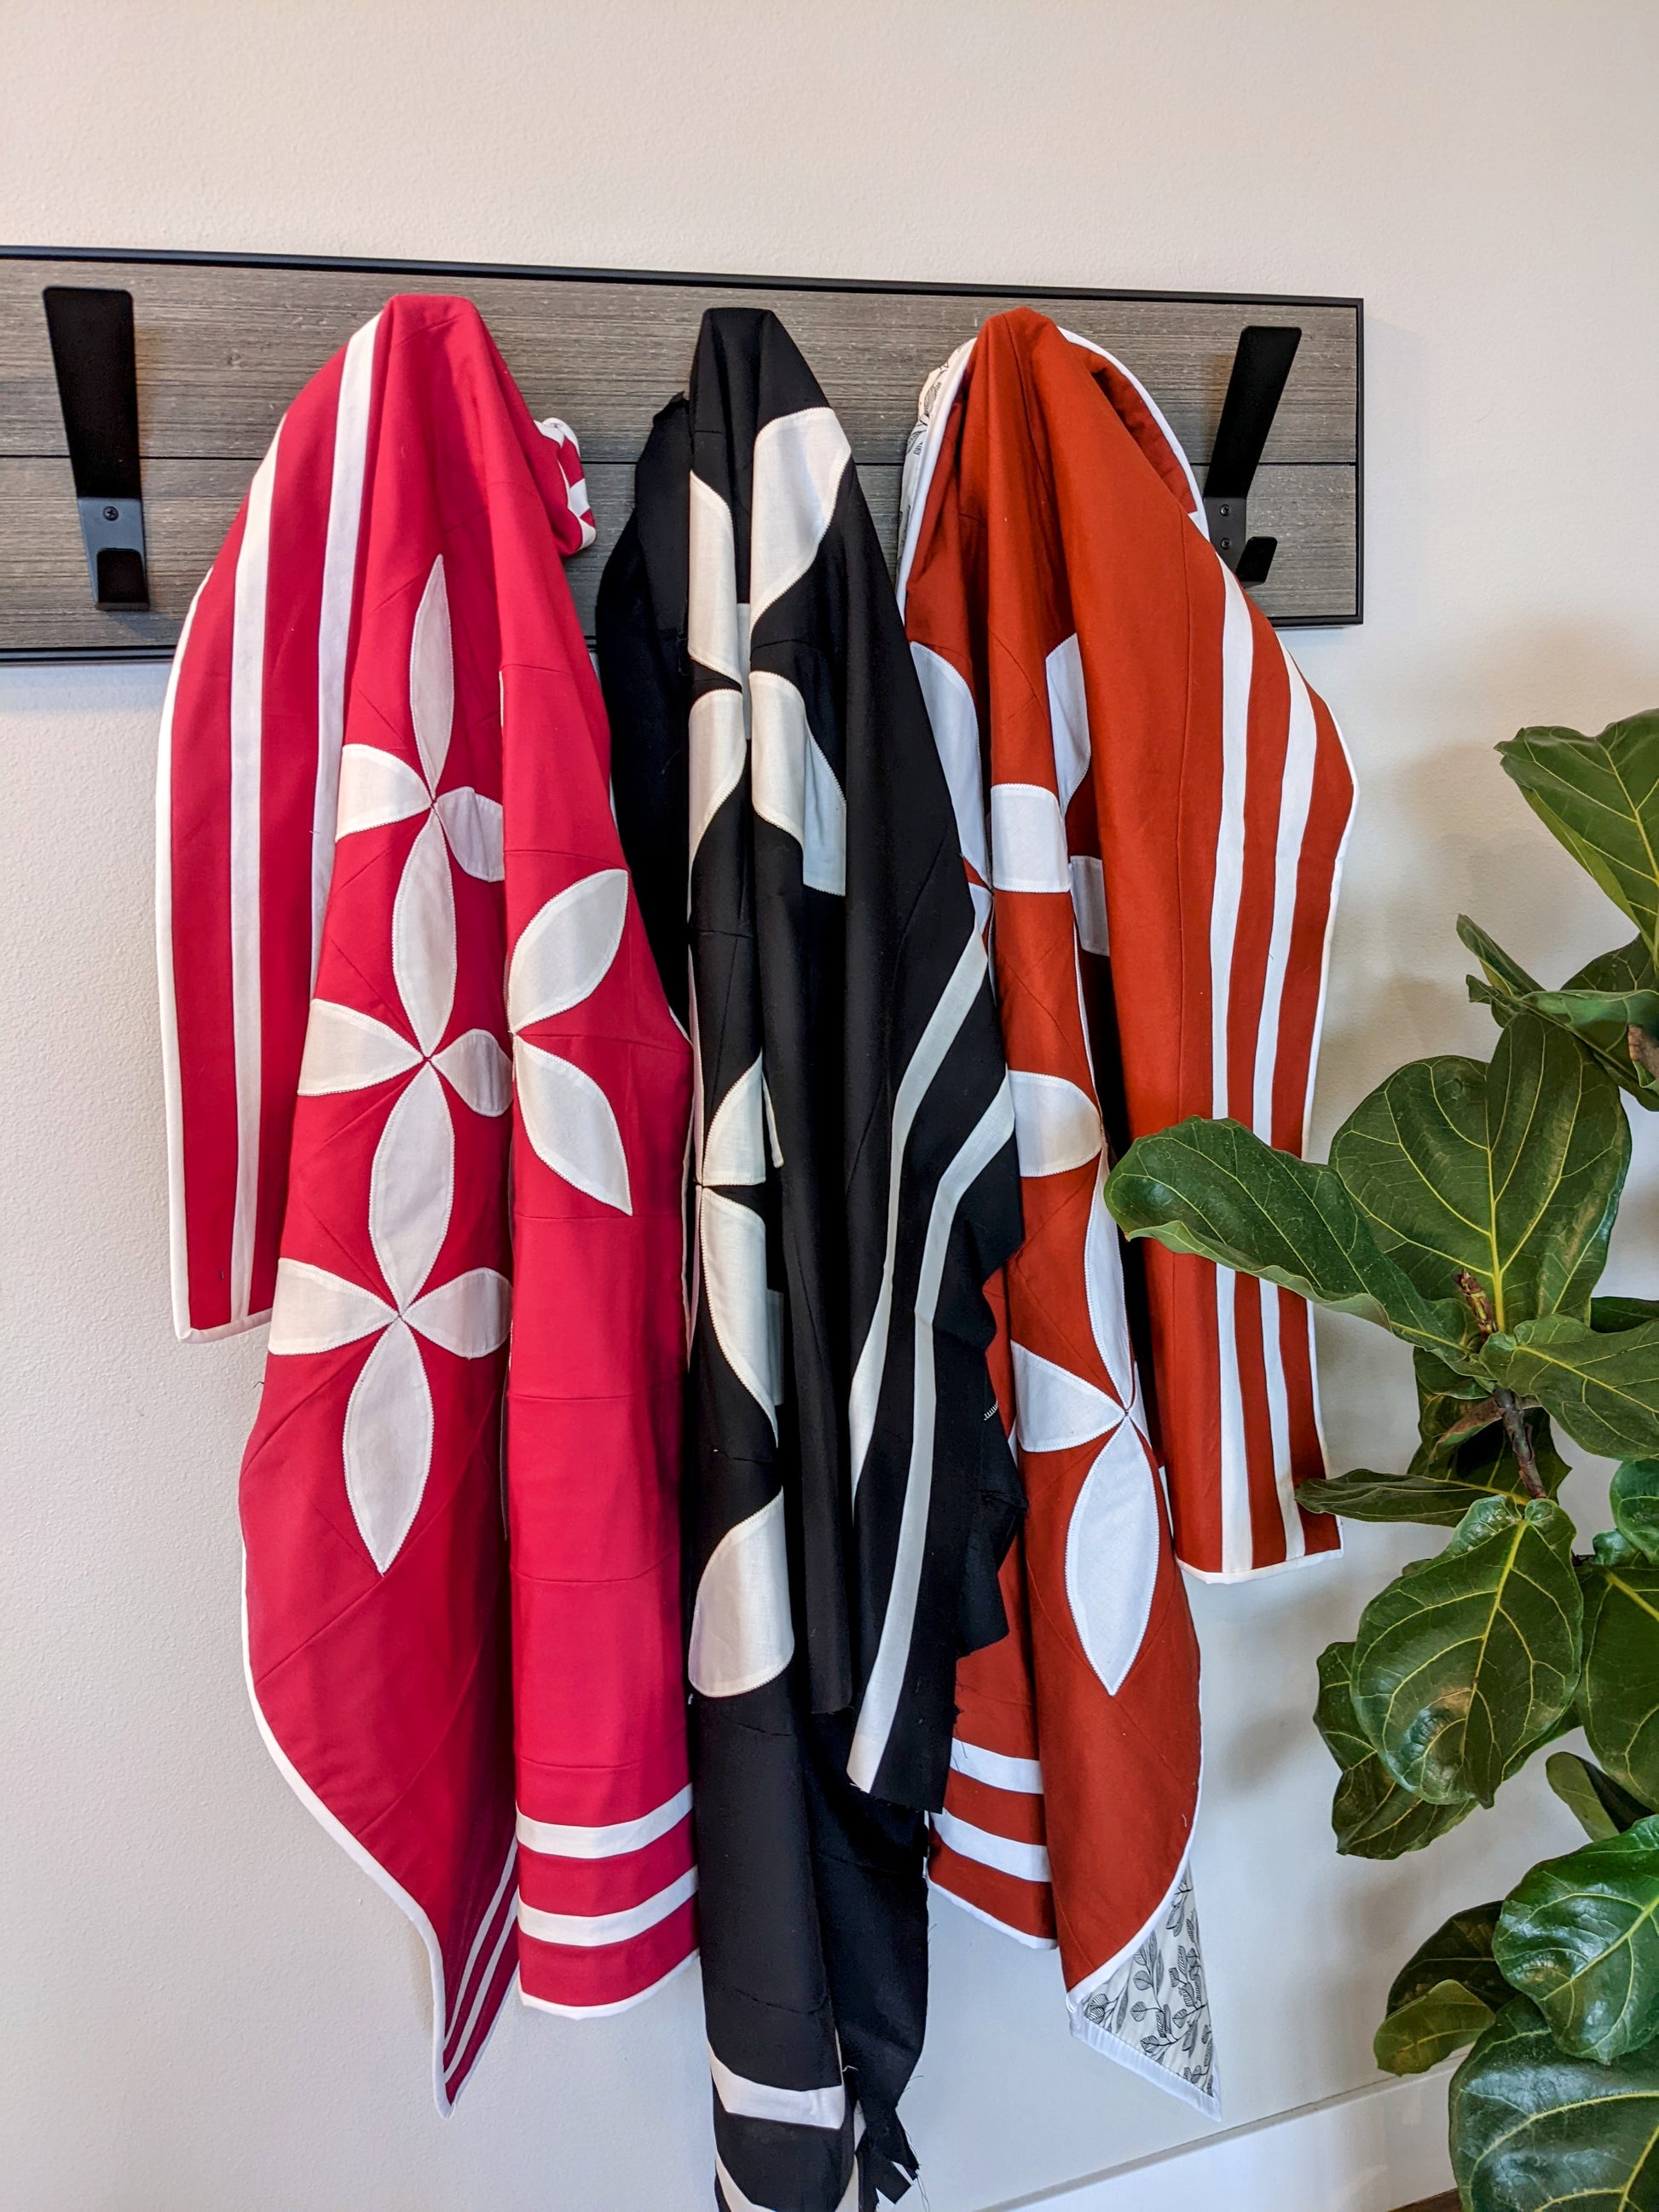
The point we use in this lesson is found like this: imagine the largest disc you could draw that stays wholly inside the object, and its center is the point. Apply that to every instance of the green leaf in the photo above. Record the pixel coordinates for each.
(1599, 796)
(1603, 1388)
(1563, 1724)
(1634, 1497)
(1459, 1950)
(1580, 1936)
(1431, 1500)
(1475, 1450)
(1373, 1817)
(1333, 1715)
(1619, 1694)
(1627, 971)
(1509, 985)
(1568, 1775)
(1509, 1173)
(1608, 1315)
(1436, 1380)
(1429, 2028)
(1214, 1189)
(1446, 1421)
(1446, 1475)
(1611, 996)
(1595, 1800)
(1597, 1006)
(1465, 1661)
(1533, 2127)
(1463, 1455)
(1589, 1013)
(1609, 1549)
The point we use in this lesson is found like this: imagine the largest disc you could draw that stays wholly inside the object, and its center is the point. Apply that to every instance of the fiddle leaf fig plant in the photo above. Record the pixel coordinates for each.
(1466, 1208)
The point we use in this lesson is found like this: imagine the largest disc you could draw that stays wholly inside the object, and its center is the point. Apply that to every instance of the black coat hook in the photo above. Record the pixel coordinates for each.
(92, 352)
(1260, 368)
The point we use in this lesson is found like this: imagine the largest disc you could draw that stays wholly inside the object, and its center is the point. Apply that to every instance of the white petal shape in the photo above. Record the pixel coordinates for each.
(469, 1316)
(718, 738)
(731, 1246)
(473, 825)
(346, 1050)
(741, 1631)
(713, 633)
(315, 1311)
(375, 788)
(954, 719)
(734, 1151)
(423, 936)
(779, 735)
(568, 1120)
(431, 675)
(773, 1144)
(1068, 717)
(800, 461)
(1027, 839)
(1056, 1125)
(1102, 1278)
(411, 1187)
(1088, 903)
(387, 1444)
(1056, 1408)
(479, 1070)
(792, 785)
(1112, 1549)
(565, 953)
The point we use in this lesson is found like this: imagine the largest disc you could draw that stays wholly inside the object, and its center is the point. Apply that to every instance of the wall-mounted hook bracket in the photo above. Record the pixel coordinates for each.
(92, 353)
(1261, 368)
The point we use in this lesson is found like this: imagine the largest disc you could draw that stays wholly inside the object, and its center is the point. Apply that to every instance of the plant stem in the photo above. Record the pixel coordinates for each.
(1508, 1405)
(1515, 1428)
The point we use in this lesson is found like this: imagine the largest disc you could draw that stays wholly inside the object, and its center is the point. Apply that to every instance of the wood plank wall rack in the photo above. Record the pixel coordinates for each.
(223, 342)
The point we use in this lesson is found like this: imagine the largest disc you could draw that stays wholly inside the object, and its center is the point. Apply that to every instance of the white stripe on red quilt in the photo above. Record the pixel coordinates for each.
(591, 1931)
(247, 681)
(345, 506)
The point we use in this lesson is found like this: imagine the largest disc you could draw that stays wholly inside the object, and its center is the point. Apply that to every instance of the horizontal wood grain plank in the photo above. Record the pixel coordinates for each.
(1314, 513)
(45, 597)
(1311, 511)
(222, 350)
(190, 505)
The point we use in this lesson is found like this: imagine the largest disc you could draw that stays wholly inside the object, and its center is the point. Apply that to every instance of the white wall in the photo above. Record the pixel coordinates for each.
(204, 2008)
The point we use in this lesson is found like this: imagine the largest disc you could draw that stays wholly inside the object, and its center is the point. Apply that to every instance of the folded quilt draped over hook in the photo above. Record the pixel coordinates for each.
(1151, 807)
(856, 1184)
(383, 789)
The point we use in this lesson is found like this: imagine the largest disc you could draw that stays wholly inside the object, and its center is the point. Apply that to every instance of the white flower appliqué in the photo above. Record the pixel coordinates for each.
(388, 1438)
(1115, 1538)
(376, 788)
(562, 956)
